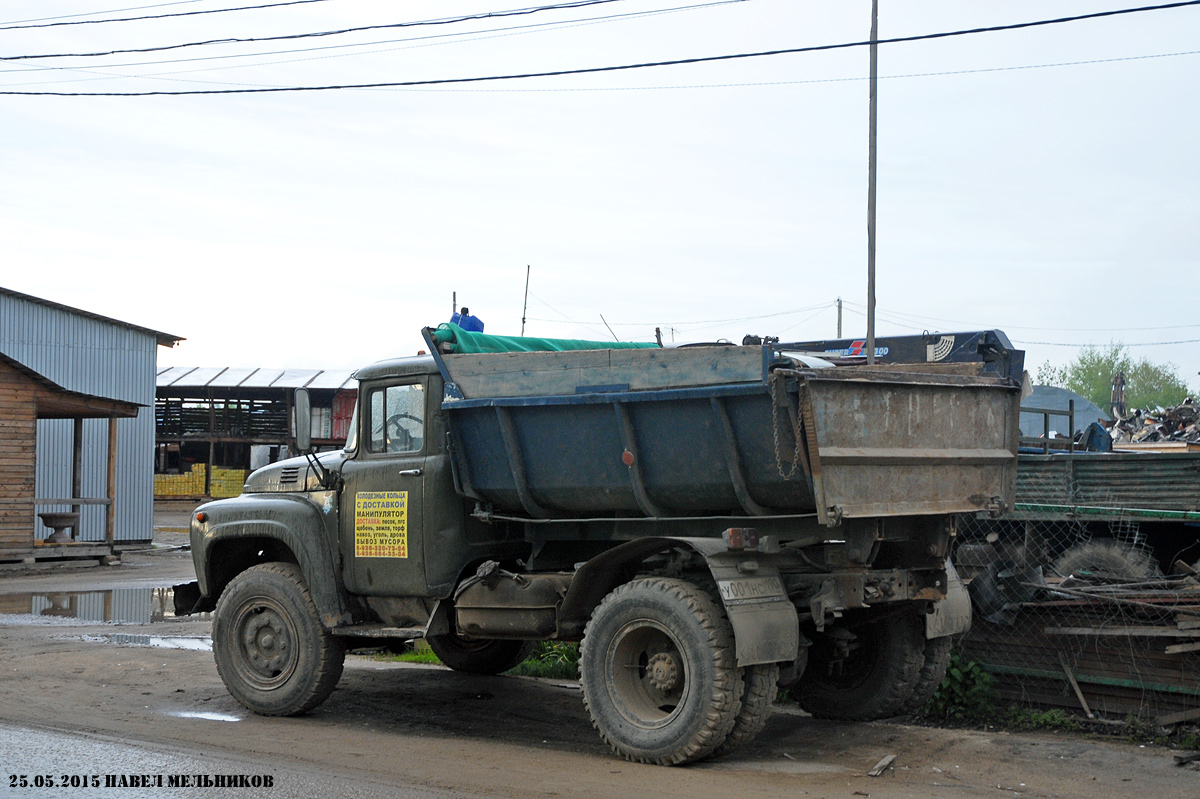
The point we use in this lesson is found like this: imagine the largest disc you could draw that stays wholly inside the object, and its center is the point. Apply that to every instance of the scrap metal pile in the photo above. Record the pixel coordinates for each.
(1180, 423)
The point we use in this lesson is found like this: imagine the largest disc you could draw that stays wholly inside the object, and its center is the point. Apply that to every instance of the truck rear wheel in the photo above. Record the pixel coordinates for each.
(1106, 559)
(867, 676)
(272, 651)
(761, 687)
(658, 672)
(485, 656)
(933, 671)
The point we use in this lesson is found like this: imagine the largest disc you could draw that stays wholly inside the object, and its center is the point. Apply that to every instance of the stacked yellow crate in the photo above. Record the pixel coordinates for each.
(188, 484)
(227, 482)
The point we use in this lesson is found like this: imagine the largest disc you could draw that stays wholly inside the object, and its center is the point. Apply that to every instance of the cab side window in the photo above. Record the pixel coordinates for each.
(397, 418)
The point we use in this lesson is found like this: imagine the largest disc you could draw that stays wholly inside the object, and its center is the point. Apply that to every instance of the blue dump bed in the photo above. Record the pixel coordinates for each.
(723, 430)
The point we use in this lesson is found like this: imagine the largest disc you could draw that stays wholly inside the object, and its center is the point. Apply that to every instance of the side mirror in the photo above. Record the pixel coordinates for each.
(302, 410)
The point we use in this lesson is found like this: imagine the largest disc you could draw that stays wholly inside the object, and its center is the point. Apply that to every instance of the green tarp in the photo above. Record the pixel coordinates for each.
(462, 341)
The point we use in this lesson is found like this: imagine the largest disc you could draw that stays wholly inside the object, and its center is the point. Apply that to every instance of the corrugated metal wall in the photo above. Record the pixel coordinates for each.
(107, 360)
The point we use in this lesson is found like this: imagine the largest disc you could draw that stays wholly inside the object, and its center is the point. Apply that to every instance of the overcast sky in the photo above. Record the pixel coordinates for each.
(1042, 181)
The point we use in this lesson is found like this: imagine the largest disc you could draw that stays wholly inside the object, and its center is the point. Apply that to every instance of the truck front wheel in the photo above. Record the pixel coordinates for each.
(864, 672)
(485, 656)
(657, 668)
(272, 651)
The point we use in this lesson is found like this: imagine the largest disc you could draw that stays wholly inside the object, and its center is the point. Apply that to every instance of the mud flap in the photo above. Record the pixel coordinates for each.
(188, 599)
(766, 627)
(951, 615)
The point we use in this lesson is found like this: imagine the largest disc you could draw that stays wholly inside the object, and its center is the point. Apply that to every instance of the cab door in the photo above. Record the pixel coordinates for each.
(382, 544)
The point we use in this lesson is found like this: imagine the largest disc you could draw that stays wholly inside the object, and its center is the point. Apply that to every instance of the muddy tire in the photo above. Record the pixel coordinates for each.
(933, 671)
(761, 685)
(486, 656)
(658, 672)
(272, 651)
(1106, 559)
(873, 681)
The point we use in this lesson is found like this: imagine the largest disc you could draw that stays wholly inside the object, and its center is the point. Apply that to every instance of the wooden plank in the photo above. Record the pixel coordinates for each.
(1176, 649)
(1075, 685)
(1138, 632)
(1176, 718)
(882, 766)
(523, 374)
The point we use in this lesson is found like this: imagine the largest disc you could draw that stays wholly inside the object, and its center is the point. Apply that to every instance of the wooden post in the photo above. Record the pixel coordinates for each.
(110, 510)
(212, 427)
(76, 470)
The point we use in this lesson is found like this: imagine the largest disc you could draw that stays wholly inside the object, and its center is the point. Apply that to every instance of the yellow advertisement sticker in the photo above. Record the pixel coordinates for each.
(381, 524)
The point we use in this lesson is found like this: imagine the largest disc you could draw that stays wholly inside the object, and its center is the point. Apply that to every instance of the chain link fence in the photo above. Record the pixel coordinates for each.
(1079, 615)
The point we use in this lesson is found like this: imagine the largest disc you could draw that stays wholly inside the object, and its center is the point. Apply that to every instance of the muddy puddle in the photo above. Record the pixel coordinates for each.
(117, 605)
(194, 714)
(160, 641)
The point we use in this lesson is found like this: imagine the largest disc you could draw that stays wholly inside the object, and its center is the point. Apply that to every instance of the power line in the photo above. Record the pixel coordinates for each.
(1123, 344)
(592, 70)
(521, 29)
(159, 16)
(817, 80)
(1027, 327)
(97, 13)
(443, 39)
(531, 27)
(756, 317)
(1058, 343)
(317, 34)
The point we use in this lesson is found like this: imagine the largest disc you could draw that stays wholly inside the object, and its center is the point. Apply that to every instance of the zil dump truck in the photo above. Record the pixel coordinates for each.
(708, 522)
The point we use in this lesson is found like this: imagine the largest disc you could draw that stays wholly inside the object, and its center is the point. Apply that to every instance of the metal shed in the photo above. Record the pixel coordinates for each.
(88, 354)
(216, 424)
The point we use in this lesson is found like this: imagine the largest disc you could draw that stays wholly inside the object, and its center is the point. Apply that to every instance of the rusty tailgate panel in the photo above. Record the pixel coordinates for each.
(910, 444)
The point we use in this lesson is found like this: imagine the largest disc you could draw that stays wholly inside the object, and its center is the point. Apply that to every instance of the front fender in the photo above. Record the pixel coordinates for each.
(295, 522)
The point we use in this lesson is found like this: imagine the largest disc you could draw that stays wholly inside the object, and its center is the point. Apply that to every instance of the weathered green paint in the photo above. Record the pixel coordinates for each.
(1059, 676)
(1041, 509)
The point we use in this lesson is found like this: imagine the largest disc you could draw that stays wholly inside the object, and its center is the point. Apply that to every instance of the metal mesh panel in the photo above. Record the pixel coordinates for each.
(1077, 614)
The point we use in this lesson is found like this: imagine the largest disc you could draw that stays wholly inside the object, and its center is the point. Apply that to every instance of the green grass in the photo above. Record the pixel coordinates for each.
(550, 659)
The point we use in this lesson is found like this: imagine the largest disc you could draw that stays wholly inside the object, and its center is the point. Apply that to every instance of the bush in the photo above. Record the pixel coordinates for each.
(968, 693)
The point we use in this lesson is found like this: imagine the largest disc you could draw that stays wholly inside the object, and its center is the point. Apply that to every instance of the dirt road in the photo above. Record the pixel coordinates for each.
(420, 730)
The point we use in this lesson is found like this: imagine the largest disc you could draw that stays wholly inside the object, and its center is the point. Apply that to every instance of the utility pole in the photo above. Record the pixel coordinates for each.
(839, 335)
(453, 302)
(871, 183)
(525, 307)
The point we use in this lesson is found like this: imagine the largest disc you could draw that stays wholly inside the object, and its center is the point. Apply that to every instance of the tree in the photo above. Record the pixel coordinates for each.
(1091, 374)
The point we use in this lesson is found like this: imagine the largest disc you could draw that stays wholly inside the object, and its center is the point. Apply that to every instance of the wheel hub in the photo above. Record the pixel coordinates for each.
(265, 639)
(662, 671)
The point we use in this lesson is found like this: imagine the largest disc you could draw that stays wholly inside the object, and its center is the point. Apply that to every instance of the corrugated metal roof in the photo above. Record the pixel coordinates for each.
(333, 378)
(241, 377)
(163, 339)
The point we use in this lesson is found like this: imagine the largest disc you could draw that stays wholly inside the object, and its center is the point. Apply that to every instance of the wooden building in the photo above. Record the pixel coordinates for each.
(26, 397)
(76, 426)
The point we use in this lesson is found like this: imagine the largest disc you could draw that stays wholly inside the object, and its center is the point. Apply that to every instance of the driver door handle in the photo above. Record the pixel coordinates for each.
(410, 472)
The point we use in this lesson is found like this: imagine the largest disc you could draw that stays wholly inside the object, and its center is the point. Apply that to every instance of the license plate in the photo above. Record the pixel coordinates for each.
(752, 589)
